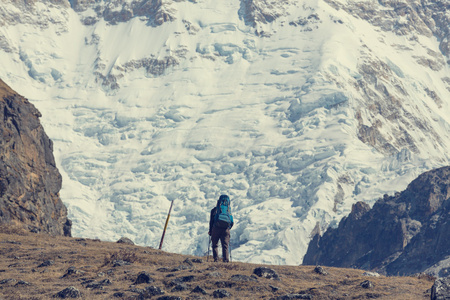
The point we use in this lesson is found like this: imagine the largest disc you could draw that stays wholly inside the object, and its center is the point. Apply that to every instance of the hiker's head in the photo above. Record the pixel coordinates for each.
(223, 197)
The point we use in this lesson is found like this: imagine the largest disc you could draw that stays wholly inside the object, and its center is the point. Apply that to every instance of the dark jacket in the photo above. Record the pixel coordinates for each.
(211, 218)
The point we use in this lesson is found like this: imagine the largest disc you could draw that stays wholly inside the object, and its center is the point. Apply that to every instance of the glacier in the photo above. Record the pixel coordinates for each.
(295, 109)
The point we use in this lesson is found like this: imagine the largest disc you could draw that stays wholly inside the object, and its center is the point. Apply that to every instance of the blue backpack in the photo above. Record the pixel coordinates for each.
(223, 217)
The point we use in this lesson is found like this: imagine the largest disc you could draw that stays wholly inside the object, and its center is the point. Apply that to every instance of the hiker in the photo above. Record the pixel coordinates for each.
(220, 223)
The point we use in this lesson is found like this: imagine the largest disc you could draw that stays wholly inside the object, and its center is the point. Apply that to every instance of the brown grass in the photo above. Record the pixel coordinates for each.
(22, 253)
(5, 90)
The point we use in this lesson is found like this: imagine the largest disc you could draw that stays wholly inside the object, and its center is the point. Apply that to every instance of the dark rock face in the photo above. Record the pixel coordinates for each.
(156, 12)
(29, 179)
(441, 289)
(403, 234)
(254, 12)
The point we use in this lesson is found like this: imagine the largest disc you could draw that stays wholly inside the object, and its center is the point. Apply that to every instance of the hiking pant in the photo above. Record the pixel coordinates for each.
(222, 234)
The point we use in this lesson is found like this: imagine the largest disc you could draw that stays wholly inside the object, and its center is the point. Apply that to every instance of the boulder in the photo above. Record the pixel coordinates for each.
(120, 263)
(125, 240)
(199, 290)
(367, 284)
(239, 277)
(46, 263)
(221, 294)
(99, 285)
(320, 270)
(266, 272)
(180, 287)
(143, 277)
(72, 271)
(70, 292)
(151, 291)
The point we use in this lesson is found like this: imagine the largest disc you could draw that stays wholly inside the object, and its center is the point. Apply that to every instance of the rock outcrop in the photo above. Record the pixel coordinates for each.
(405, 17)
(441, 289)
(156, 12)
(402, 234)
(29, 179)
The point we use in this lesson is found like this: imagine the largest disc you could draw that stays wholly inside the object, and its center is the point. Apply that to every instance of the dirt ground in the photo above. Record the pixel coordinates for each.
(39, 266)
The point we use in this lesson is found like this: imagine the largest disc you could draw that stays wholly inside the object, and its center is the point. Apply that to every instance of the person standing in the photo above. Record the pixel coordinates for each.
(220, 223)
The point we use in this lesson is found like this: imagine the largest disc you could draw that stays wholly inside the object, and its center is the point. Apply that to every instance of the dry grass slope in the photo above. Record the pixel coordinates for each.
(38, 266)
(5, 90)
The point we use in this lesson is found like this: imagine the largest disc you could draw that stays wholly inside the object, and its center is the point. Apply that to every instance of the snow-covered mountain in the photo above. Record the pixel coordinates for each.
(296, 109)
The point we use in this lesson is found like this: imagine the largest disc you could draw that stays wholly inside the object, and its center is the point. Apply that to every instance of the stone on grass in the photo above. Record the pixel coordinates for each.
(183, 279)
(21, 282)
(199, 290)
(239, 277)
(9, 280)
(98, 285)
(179, 288)
(214, 274)
(266, 273)
(46, 263)
(188, 261)
(125, 240)
(225, 284)
(320, 270)
(163, 270)
(221, 294)
(367, 284)
(143, 277)
(72, 271)
(274, 288)
(70, 292)
(151, 291)
(120, 263)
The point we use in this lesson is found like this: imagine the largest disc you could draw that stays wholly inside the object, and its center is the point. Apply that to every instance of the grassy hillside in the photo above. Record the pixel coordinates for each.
(39, 266)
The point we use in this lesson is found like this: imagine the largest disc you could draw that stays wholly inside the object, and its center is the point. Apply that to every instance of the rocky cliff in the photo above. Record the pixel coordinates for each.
(402, 234)
(29, 179)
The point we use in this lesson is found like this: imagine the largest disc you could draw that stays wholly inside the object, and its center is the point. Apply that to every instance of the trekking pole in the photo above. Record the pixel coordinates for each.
(209, 243)
(229, 246)
(165, 226)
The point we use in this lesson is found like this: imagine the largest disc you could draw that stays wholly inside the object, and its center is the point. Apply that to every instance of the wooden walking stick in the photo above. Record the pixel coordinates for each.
(165, 226)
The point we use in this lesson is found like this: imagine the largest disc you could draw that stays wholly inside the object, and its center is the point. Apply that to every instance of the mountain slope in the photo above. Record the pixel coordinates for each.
(296, 110)
(402, 234)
